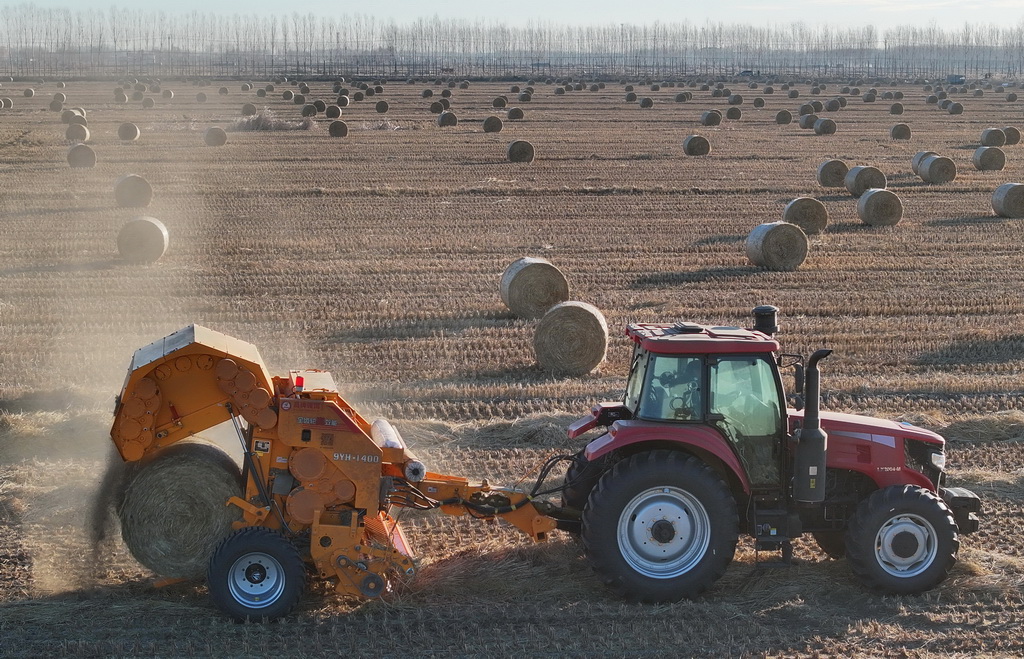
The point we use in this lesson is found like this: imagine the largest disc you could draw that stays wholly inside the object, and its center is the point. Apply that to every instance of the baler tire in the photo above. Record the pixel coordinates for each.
(892, 522)
(580, 479)
(832, 543)
(651, 488)
(256, 573)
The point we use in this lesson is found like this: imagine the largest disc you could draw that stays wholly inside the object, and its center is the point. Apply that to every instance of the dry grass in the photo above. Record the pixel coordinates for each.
(343, 258)
(268, 120)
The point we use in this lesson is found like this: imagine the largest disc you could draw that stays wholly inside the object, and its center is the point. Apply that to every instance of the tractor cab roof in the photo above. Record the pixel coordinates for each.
(692, 339)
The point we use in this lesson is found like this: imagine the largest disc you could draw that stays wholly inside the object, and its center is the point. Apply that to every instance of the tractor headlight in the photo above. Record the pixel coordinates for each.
(939, 461)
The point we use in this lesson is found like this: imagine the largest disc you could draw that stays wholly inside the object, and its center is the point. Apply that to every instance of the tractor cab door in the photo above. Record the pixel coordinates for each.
(746, 405)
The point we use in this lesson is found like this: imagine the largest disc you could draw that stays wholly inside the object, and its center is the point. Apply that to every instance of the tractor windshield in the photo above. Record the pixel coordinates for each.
(671, 389)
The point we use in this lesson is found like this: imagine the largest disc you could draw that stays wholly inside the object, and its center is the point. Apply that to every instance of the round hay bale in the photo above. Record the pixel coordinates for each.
(807, 213)
(733, 113)
(559, 91)
(525, 97)
(128, 132)
(6, 103)
(66, 116)
(167, 94)
(338, 129)
(571, 339)
(806, 108)
(248, 110)
(842, 101)
(758, 102)
(784, 117)
(824, 126)
(447, 118)
(79, 119)
(29, 93)
(647, 102)
(343, 101)
(287, 95)
(530, 286)
(900, 132)
(520, 151)
(832, 173)
(879, 208)
(493, 124)
(631, 97)
(1008, 200)
(779, 246)
(769, 90)
(937, 169)
(215, 136)
(832, 106)
(1012, 135)
(223, 91)
(955, 108)
(445, 104)
(793, 93)
(76, 133)
(897, 96)
(862, 178)
(369, 91)
(710, 118)
(300, 99)
(427, 93)
(381, 107)
(309, 110)
(148, 103)
(436, 107)
(915, 162)
(332, 112)
(81, 156)
(735, 99)
(817, 106)
(133, 191)
(515, 113)
(993, 137)
(696, 145)
(1011, 97)
(988, 159)
(138, 96)
(56, 106)
(173, 513)
(261, 93)
(896, 108)
(319, 105)
(499, 102)
(869, 98)
(807, 121)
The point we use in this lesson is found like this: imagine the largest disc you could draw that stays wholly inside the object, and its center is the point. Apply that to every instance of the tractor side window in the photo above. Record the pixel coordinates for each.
(636, 380)
(745, 394)
(673, 390)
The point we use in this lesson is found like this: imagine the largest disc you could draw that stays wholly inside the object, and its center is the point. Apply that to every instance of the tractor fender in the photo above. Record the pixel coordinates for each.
(703, 441)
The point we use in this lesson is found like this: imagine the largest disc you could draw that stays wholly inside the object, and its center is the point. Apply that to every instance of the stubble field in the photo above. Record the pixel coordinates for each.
(377, 256)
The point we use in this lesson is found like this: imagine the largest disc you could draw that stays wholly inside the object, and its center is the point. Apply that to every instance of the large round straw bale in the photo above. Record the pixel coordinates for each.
(817, 106)
(769, 90)
(520, 151)
(735, 99)
(167, 94)
(824, 126)
(784, 117)
(758, 102)
(343, 101)
(710, 118)
(29, 93)
(445, 104)
(447, 118)
(900, 132)
(6, 103)
(223, 91)
(56, 106)
(148, 103)
(427, 93)
(1008, 200)
(862, 178)
(299, 99)
(308, 110)
(879, 208)
(631, 97)
(530, 286)
(988, 159)
(66, 115)
(78, 118)
(515, 113)
(559, 91)
(287, 95)
(381, 107)
(832, 173)
(77, 133)
(915, 162)
(174, 513)
(696, 145)
(733, 113)
(133, 190)
(138, 96)
(807, 121)
(647, 102)
(248, 110)
(215, 136)
(777, 246)
(955, 108)
(128, 132)
(499, 102)
(807, 213)
(332, 112)
(794, 93)
(806, 108)
(1012, 135)
(338, 129)
(937, 169)
(525, 97)
(81, 156)
(1011, 97)
(319, 105)
(832, 105)
(896, 108)
(993, 137)
(142, 240)
(493, 124)
(869, 98)
(571, 339)
(261, 93)
(436, 107)
(897, 96)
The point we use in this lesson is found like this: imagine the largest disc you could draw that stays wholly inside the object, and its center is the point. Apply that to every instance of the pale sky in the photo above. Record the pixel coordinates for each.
(947, 14)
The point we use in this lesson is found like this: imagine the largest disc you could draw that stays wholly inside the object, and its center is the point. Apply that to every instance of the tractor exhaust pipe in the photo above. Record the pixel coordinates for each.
(812, 441)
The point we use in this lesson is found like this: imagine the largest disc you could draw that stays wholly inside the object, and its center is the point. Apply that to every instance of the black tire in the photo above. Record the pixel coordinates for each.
(580, 479)
(832, 543)
(650, 494)
(902, 540)
(256, 573)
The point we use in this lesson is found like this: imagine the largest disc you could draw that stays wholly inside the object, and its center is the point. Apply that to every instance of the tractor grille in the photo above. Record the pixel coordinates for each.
(918, 456)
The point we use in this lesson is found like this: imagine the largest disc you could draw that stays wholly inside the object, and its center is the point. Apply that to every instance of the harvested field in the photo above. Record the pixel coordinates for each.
(377, 257)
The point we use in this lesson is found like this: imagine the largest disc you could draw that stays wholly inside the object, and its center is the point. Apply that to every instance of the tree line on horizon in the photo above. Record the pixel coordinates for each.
(37, 41)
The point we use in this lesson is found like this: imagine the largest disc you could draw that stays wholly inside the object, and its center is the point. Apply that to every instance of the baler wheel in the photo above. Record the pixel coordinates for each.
(256, 573)
(902, 540)
(660, 526)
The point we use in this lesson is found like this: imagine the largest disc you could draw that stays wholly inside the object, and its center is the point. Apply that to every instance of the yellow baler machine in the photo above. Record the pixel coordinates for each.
(320, 482)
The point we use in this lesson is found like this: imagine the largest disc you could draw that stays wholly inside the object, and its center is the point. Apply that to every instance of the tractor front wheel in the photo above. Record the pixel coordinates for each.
(902, 540)
(660, 526)
(256, 573)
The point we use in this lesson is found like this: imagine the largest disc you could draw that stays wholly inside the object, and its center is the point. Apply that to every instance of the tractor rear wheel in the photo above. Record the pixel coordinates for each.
(831, 542)
(659, 527)
(902, 540)
(256, 573)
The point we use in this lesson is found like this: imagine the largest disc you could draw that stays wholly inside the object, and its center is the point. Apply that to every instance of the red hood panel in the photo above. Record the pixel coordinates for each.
(868, 425)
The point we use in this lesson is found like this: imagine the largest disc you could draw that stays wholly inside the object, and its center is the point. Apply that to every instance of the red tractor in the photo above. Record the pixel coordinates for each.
(704, 447)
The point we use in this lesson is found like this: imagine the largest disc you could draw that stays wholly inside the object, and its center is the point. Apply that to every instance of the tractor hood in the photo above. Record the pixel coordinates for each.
(867, 427)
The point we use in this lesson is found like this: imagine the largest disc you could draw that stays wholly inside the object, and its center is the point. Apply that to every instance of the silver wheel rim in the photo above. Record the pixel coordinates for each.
(663, 532)
(906, 545)
(256, 580)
